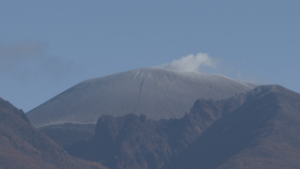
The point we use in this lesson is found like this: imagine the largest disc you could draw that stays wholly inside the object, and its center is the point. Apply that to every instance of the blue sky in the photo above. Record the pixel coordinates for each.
(49, 46)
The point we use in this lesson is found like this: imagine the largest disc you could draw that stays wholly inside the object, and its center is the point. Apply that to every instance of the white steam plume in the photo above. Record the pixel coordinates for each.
(192, 62)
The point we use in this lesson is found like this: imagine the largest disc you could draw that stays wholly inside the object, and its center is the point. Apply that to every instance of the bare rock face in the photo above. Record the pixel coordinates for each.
(158, 93)
(256, 129)
(23, 146)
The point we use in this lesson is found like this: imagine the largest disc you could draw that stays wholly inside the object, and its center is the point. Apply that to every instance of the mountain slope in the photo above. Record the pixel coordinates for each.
(23, 146)
(134, 142)
(158, 93)
(264, 132)
(256, 129)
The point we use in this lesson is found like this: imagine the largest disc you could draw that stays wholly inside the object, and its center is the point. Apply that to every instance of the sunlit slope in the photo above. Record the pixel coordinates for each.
(158, 93)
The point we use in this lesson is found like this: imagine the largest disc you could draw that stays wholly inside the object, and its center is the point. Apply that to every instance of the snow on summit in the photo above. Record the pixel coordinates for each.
(155, 92)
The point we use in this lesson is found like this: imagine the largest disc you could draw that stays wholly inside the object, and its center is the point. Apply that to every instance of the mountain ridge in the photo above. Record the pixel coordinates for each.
(23, 146)
(250, 136)
(256, 129)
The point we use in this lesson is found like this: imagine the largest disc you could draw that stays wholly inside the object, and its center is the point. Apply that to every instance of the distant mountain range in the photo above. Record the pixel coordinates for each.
(255, 129)
(155, 92)
(24, 147)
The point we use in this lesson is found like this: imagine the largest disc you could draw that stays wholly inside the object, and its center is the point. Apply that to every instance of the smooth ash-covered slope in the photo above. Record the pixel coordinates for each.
(158, 93)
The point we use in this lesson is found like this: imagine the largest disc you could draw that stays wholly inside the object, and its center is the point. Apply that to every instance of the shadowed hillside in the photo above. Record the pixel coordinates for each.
(65, 134)
(24, 147)
(264, 132)
(256, 129)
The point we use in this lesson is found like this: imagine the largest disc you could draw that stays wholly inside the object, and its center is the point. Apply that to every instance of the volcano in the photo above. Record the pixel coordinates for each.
(155, 92)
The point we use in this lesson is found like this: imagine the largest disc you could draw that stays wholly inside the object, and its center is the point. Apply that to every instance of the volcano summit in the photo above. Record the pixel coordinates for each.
(155, 92)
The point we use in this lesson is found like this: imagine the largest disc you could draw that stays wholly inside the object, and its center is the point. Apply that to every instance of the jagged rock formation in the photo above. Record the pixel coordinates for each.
(256, 129)
(23, 146)
(263, 132)
(158, 93)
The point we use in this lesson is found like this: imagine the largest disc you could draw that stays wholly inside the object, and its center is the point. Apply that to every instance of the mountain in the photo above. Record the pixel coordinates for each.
(255, 129)
(158, 93)
(264, 132)
(23, 146)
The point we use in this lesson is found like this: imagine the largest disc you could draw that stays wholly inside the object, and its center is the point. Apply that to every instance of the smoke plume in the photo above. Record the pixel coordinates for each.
(192, 63)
